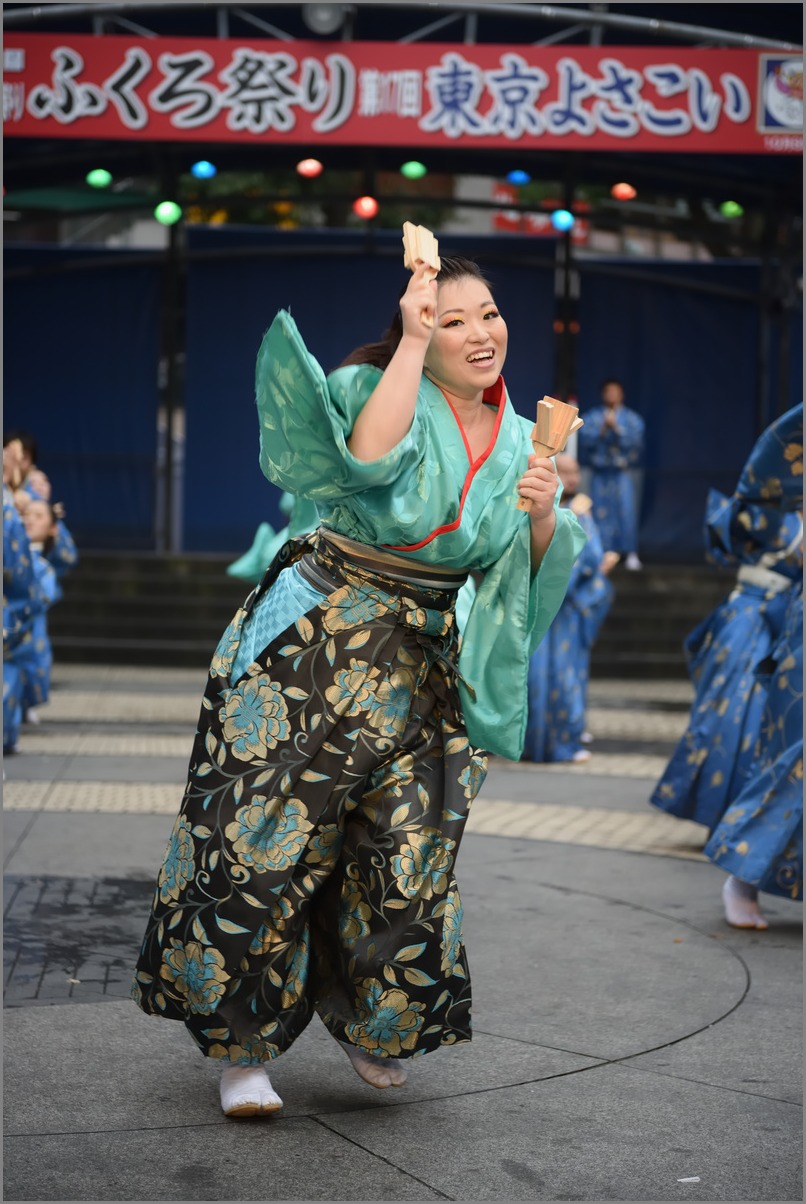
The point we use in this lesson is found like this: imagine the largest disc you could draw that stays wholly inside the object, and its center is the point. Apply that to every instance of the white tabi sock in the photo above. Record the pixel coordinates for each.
(247, 1091)
(741, 904)
(378, 1072)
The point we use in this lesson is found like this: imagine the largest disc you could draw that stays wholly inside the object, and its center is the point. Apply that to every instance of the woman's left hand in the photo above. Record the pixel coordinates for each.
(539, 484)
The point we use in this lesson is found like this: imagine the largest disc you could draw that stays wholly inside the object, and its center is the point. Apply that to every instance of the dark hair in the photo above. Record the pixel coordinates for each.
(28, 442)
(453, 267)
(611, 380)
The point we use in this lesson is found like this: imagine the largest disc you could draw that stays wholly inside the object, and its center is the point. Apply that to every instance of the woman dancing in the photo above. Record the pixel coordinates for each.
(342, 733)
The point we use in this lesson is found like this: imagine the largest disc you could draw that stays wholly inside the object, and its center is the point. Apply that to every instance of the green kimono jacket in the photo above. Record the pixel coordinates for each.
(425, 499)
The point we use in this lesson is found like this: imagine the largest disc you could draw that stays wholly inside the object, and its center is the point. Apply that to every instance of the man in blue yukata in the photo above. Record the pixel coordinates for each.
(611, 445)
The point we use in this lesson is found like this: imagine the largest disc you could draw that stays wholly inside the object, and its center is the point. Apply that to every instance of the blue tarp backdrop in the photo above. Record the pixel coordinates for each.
(689, 364)
(82, 354)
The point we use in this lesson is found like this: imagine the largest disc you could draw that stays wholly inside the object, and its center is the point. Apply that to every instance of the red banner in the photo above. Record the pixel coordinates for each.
(402, 94)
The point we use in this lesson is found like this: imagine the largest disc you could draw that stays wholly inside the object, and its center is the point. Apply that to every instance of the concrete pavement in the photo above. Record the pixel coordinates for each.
(628, 1045)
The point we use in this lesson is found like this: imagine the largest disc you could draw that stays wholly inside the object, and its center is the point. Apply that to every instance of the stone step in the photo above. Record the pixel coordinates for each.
(171, 610)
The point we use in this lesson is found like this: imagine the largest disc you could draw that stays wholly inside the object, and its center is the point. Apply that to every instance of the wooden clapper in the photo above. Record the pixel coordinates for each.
(556, 420)
(419, 245)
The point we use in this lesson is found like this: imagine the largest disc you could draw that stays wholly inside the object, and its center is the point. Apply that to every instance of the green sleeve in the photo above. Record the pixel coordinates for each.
(512, 611)
(306, 419)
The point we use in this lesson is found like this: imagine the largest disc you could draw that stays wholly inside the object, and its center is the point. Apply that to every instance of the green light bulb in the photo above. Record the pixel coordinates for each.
(731, 209)
(413, 170)
(168, 212)
(99, 178)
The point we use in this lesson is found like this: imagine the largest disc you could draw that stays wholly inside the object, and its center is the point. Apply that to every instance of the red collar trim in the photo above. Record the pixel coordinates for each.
(496, 396)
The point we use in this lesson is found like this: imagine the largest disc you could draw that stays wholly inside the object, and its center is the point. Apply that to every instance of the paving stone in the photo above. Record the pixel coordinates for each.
(72, 939)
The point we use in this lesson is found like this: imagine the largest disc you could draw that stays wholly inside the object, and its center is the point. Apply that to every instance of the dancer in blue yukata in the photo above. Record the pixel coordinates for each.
(21, 594)
(759, 841)
(611, 444)
(559, 670)
(36, 660)
(727, 744)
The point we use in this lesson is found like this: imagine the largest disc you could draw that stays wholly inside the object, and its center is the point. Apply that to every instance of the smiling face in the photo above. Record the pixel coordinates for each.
(469, 345)
(38, 520)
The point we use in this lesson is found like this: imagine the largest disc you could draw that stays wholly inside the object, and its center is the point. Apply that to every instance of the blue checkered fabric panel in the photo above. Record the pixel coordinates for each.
(289, 597)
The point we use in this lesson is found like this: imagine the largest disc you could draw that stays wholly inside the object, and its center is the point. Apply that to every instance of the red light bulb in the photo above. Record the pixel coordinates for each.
(623, 192)
(310, 168)
(365, 207)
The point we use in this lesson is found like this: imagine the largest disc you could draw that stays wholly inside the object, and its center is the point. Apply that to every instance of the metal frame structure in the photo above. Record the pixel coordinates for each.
(595, 18)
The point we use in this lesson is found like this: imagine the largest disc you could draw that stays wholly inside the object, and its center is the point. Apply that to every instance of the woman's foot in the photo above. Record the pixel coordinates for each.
(246, 1091)
(378, 1072)
(741, 905)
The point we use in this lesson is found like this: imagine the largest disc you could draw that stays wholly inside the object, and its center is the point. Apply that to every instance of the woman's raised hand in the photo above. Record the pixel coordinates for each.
(539, 484)
(418, 305)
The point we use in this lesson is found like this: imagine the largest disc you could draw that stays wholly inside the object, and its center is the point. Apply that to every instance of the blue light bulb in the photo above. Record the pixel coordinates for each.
(203, 170)
(518, 177)
(562, 219)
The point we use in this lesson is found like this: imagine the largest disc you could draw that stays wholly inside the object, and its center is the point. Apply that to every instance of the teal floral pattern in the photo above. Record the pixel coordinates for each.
(255, 717)
(194, 973)
(269, 833)
(311, 867)
(422, 866)
(388, 1021)
(178, 866)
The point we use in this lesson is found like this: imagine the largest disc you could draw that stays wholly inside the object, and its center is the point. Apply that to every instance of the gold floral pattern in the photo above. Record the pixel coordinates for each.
(355, 916)
(269, 833)
(311, 865)
(388, 1021)
(195, 973)
(422, 866)
(255, 717)
(353, 689)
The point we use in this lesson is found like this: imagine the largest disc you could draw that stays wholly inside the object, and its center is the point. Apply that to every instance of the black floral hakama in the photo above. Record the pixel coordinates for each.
(311, 864)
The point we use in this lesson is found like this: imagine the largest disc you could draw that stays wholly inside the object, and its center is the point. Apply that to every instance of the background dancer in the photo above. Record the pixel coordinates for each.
(611, 444)
(718, 756)
(559, 670)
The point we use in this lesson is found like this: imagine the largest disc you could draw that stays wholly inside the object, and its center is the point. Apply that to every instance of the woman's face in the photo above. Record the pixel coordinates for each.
(469, 344)
(39, 483)
(38, 520)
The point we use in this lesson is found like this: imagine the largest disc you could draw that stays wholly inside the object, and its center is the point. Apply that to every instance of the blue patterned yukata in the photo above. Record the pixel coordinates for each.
(716, 756)
(760, 837)
(21, 597)
(613, 456)
(62, 554)
(559, 669)
(35, 657)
